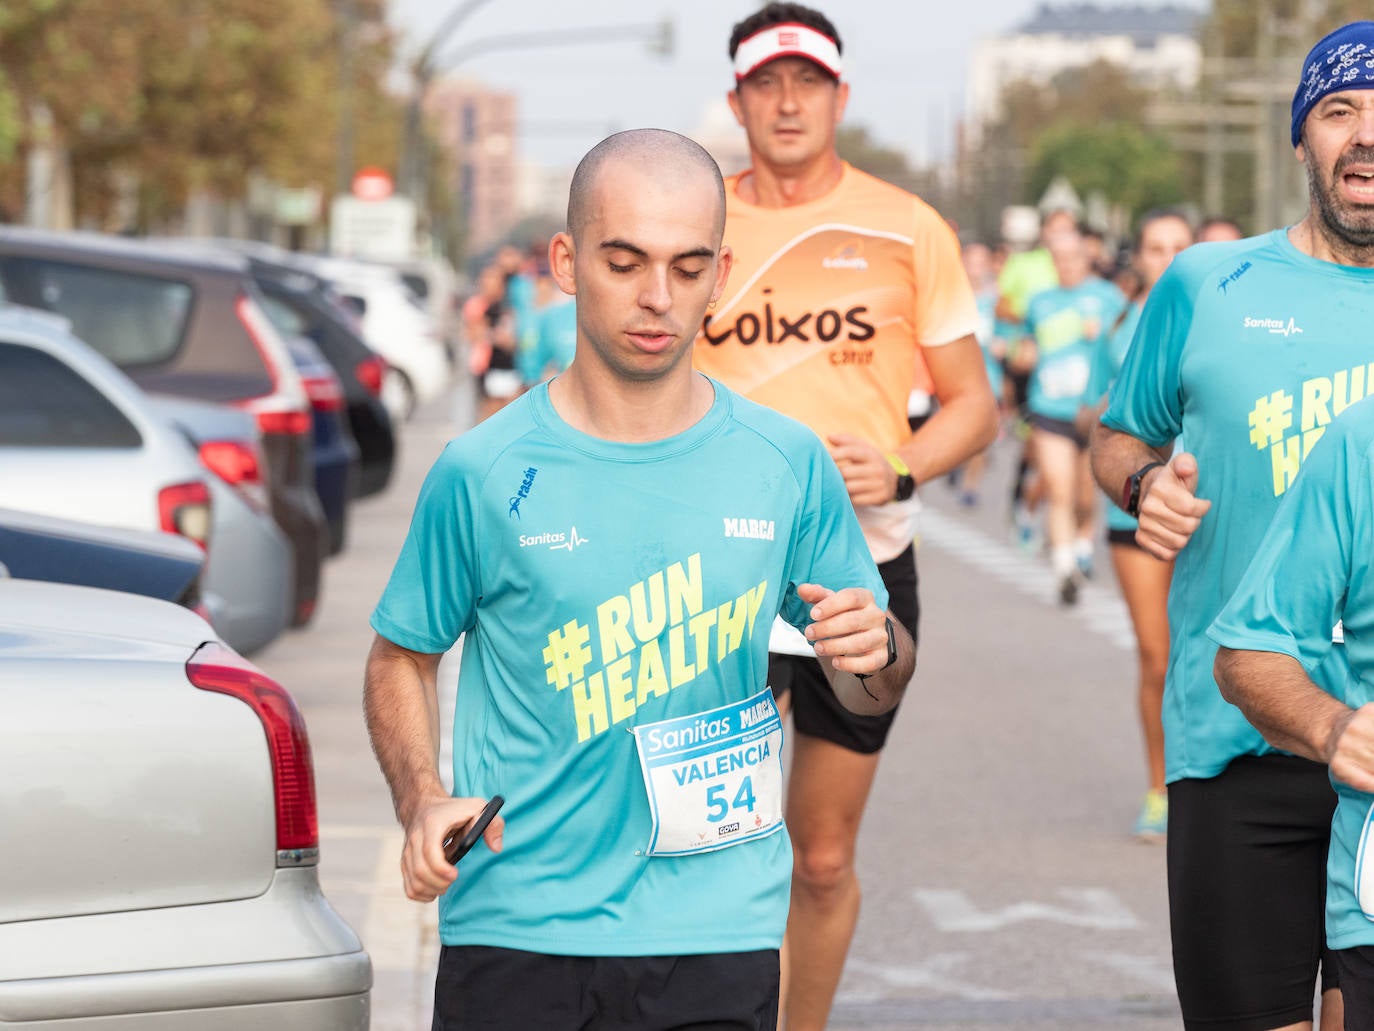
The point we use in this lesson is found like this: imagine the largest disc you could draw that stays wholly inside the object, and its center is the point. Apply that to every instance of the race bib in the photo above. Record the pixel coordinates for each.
(1065, 377)
(714, 779)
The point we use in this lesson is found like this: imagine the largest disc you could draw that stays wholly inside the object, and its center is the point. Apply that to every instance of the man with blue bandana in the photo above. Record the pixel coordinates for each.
(1246, 352)
(613, 546)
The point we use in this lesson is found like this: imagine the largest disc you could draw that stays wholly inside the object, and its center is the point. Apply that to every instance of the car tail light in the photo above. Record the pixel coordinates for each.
(215, 667)
(370, 372)
(184, 509)
(296, 424)
(325, 392)
(237, 464)
(283, 411)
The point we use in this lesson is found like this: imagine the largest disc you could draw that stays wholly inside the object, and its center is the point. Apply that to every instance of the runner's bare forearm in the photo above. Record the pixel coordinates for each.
(401, 704)
(966, 421)
(879, 692)
(1116, 455)
(1281, 701)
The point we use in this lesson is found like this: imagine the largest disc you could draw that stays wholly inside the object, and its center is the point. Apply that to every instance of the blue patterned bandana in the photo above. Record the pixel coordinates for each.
(1343, 60)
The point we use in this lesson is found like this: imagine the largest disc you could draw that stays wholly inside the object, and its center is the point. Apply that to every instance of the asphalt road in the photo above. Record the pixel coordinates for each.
(1002, 889)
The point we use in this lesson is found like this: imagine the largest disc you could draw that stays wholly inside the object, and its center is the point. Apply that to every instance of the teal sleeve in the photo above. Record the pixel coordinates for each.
(830, 549)
(431, 598)
(1099, 374)
(1295, 587)
(1146, 400)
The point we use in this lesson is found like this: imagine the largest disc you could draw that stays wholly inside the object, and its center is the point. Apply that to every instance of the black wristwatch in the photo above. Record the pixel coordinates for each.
(1130, 493)
(906, 483)
(891, 651)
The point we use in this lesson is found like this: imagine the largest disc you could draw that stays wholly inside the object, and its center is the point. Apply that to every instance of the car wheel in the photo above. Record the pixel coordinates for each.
(398, 395)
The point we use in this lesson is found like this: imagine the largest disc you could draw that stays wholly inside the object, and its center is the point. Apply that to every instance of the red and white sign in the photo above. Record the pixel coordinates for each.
(372, 184)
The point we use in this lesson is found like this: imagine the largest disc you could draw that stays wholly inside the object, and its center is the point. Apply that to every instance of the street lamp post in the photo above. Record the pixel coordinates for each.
(659, 37)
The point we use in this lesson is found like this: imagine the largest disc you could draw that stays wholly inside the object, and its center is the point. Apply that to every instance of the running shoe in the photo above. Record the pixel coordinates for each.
(1153, 821)
(1085, 566)
(1027, 533)
(1068, 590)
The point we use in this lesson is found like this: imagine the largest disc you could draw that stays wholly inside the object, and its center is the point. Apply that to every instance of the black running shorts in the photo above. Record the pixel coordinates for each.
(1123, 538)
(815, 709)
(1247, 892)
(1356, 967)
(479, 986)
(1060, 428)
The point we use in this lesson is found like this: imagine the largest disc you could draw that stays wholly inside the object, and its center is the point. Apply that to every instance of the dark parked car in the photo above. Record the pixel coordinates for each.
(301, 302)
(62, 551)
(335, 453)
(188, 325)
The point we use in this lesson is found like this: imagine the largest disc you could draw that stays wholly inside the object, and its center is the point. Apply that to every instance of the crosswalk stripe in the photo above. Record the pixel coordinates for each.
(1100, 609)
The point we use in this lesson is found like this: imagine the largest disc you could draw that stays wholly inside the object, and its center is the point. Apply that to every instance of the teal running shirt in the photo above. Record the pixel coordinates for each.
(604, 587)
(1067, 323)
(1246, 351)
(1312, 569)
(1108, 357)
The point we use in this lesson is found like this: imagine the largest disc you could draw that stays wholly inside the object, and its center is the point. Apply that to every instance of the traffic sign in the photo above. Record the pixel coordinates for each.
(372, 184)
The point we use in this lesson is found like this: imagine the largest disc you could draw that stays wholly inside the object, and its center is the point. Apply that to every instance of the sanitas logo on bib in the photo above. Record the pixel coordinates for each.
(1276, 326)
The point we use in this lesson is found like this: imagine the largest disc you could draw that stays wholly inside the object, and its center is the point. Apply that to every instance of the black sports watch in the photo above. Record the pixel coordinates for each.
(1130, 493)
(891, 651)
(906, 483)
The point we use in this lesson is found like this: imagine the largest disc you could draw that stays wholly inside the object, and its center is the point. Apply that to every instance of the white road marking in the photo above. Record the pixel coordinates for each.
(396, 929)
(1086, 907)
(1154, 971)
(934, 974)
(1099, 608)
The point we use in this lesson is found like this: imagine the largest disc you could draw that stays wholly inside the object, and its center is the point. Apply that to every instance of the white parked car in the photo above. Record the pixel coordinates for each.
(160, 831)
(397, 326)
(78, 440)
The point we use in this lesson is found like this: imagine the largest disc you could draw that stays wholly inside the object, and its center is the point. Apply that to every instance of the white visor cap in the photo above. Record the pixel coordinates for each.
(786, 40)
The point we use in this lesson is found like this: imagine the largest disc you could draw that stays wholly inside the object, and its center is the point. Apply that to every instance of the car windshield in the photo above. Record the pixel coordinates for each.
(131, 319)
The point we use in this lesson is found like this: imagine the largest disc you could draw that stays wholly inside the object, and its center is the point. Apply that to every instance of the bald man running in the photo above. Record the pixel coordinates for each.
(615, 545)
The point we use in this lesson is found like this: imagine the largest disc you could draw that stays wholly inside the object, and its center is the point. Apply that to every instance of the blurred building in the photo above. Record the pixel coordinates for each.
(541, 193)
(1157, 44)
(477, 127)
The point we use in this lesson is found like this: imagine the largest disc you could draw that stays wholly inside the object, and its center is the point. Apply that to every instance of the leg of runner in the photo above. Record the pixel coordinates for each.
(1087, 501)
(826, 795)
(1144, 582)
(1056, 459)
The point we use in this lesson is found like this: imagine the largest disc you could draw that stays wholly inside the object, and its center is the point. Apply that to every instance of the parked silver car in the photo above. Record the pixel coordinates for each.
(248, 567)
(160, 832)
(79, 440)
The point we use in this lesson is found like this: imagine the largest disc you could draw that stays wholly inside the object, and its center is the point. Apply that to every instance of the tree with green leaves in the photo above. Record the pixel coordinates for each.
(180, 96)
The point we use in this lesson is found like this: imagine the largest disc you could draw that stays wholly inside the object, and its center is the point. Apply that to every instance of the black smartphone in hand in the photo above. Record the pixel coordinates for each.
(456, 846)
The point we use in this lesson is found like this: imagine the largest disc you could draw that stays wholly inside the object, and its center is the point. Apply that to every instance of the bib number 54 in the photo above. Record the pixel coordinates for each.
(719, 809)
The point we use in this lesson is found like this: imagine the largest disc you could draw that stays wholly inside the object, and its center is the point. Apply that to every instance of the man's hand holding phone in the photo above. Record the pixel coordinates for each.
(452, 824)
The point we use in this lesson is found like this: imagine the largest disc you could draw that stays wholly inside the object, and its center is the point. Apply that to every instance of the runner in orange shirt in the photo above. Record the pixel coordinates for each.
(846, 292)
